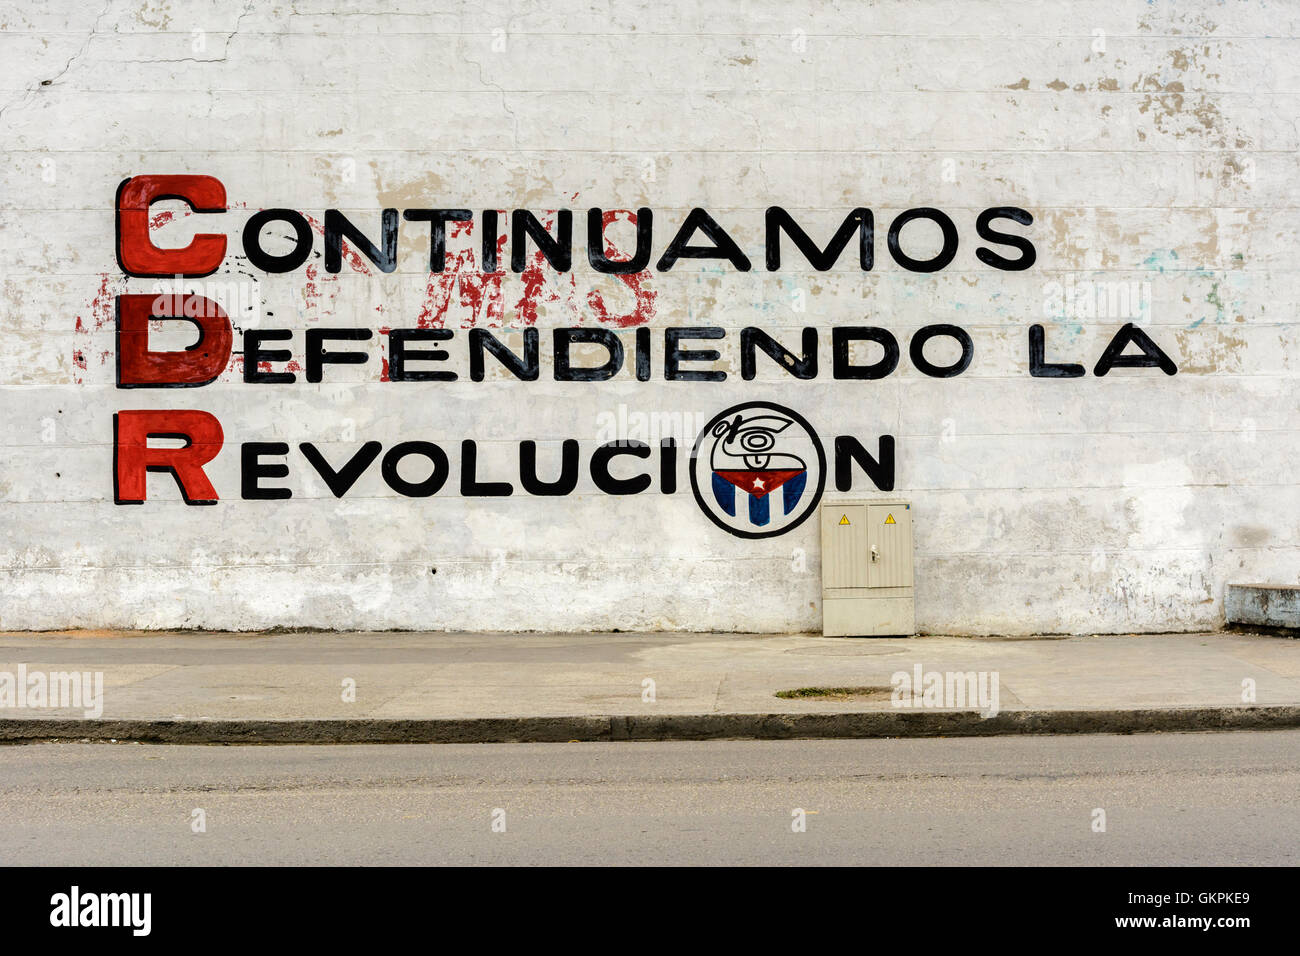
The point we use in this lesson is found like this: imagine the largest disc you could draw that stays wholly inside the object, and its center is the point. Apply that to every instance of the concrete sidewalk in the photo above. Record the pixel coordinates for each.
(266, 687)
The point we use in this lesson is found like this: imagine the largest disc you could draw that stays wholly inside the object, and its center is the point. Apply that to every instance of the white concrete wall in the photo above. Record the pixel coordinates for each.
(1154, 143)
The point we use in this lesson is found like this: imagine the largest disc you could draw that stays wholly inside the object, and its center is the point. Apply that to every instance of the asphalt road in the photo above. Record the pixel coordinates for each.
(1214, 798)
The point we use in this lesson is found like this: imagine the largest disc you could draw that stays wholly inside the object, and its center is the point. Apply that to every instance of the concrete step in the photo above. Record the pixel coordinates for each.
(1263, 605)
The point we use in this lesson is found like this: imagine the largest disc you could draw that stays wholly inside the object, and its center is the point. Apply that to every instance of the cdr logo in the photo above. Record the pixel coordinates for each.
(758, 470)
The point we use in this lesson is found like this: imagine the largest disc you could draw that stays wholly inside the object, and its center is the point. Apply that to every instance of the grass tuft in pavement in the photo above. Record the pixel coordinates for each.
(833, 693)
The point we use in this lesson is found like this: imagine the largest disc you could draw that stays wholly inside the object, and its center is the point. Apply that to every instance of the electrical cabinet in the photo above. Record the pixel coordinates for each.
(867, 588)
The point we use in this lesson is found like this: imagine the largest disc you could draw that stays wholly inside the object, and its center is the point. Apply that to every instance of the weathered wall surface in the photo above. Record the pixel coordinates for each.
(1155, 145)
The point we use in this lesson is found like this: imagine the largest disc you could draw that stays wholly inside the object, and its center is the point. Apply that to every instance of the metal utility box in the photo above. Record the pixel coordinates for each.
(867, 569)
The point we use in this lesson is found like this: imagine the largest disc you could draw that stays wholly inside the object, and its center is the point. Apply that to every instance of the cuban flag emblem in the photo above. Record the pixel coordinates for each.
(748, 471)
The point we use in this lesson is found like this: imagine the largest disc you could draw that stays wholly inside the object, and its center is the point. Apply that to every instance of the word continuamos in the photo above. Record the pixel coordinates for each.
(698, 236)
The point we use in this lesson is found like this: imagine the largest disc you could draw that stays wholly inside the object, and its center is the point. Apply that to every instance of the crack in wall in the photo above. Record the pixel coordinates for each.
(94, 30)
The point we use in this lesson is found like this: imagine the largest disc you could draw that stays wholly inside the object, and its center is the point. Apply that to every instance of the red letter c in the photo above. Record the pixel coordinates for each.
(136, 253)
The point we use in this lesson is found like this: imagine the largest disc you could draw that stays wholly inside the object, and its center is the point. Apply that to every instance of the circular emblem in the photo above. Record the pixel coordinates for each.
(758, 470)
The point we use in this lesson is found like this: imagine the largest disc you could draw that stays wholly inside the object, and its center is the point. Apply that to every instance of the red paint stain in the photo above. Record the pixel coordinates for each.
(350, 255)
(383, 358)
(235, 370)
(463, 285)
(99, 317)
(101, 306)
(160, 219)
(311, 291)
(643, 311)
(480, 293)
(542, 285)
(320, 290)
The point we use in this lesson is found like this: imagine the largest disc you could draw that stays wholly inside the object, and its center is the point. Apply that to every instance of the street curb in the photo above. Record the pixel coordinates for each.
(662, 727)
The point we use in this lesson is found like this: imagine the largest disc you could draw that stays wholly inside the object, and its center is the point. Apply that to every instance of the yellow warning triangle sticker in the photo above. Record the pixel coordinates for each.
(844, 519)
(890, 520)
